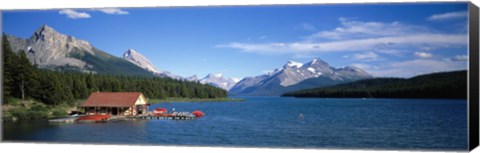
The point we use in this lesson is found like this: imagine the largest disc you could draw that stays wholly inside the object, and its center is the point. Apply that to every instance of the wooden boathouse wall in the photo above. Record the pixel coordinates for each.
(116, 104)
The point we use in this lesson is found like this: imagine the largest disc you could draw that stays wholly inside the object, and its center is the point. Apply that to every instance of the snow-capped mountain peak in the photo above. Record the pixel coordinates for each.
(213, 79)
(192, 78)
(138, 59)
(317, 61)
(236, 80)
(218, 75)
(293, 76)
(219, 81)
(293, 64)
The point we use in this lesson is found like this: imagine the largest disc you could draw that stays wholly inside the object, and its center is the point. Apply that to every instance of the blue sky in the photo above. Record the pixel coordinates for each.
(400, 40)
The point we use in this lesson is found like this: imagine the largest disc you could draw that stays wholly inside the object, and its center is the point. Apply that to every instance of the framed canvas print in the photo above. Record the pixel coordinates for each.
(374, 76)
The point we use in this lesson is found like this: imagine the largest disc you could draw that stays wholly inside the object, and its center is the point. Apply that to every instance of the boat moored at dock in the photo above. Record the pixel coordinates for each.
(108, 106)
(162, 113)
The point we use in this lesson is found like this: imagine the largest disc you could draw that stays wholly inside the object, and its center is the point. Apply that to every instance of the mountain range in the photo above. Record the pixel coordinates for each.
(213, 79)
(219, 81)
(50, 49)
(296, 76)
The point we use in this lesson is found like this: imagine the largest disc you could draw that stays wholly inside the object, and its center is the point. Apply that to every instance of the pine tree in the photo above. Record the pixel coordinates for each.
(91, 83)
(25, 74)
(9, 59)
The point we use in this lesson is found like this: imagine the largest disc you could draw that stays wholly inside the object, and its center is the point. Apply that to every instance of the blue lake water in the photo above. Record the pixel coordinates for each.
(273, 122)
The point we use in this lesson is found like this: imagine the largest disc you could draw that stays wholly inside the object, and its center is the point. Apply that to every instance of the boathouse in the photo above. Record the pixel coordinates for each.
(116, 103)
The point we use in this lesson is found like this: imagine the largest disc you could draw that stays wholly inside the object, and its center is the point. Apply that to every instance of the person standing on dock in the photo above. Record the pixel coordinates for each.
(173, 110)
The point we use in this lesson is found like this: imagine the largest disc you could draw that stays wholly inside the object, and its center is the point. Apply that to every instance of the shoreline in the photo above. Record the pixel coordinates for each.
(29, 109)
(24, 110)
(307, 97)
(194, 100)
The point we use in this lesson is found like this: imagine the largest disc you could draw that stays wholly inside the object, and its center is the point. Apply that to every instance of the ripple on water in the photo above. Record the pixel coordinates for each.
(273, 122)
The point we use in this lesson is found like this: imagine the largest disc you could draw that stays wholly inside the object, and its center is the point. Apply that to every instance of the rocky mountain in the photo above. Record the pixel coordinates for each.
(138, 59)
(192, 78)
(295, 76)
(49, 49)
(219, 81)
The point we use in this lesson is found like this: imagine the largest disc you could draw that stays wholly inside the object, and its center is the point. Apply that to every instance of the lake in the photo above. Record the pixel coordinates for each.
(274, 122)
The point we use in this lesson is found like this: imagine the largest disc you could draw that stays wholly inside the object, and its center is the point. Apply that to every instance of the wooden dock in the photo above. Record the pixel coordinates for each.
(165, 117)
(63, 120)
(105, 118)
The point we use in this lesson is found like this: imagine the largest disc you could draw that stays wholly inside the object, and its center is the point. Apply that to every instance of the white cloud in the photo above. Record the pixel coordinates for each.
(351, 35)
(351, 45)
(368, 56)
(460, 58)
(360, 29)
(448, 16)
(367, 40)
(112, 11)
(80, 15)
(74, 14)
(365, 66)
(412, 68)
(423, 54)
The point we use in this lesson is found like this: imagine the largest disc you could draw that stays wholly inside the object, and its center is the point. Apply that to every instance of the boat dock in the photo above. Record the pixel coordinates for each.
(155, 115)
(165, 117)
(64, 120)
(103, 107)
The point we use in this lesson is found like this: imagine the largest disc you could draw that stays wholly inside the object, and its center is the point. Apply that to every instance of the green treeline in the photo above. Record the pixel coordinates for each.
(436, 85)
(22, 80)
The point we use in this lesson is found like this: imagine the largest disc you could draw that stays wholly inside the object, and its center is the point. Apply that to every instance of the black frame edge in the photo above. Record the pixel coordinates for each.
(473, 100)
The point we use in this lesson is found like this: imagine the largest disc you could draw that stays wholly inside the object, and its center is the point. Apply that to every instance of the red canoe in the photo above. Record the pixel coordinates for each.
(96, 118)
(160, 111)
(198, 113)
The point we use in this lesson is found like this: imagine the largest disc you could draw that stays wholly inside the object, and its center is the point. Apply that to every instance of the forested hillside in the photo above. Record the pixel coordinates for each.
(436, 85)
(22, 80)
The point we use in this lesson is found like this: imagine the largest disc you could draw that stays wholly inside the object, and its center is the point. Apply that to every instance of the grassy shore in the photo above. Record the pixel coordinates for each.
(154, 101)
(32, 110)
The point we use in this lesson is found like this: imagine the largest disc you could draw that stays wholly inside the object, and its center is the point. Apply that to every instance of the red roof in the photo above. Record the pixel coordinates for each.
(112, 99)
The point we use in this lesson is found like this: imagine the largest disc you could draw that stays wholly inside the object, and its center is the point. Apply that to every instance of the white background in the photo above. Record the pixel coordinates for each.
(83, 148)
